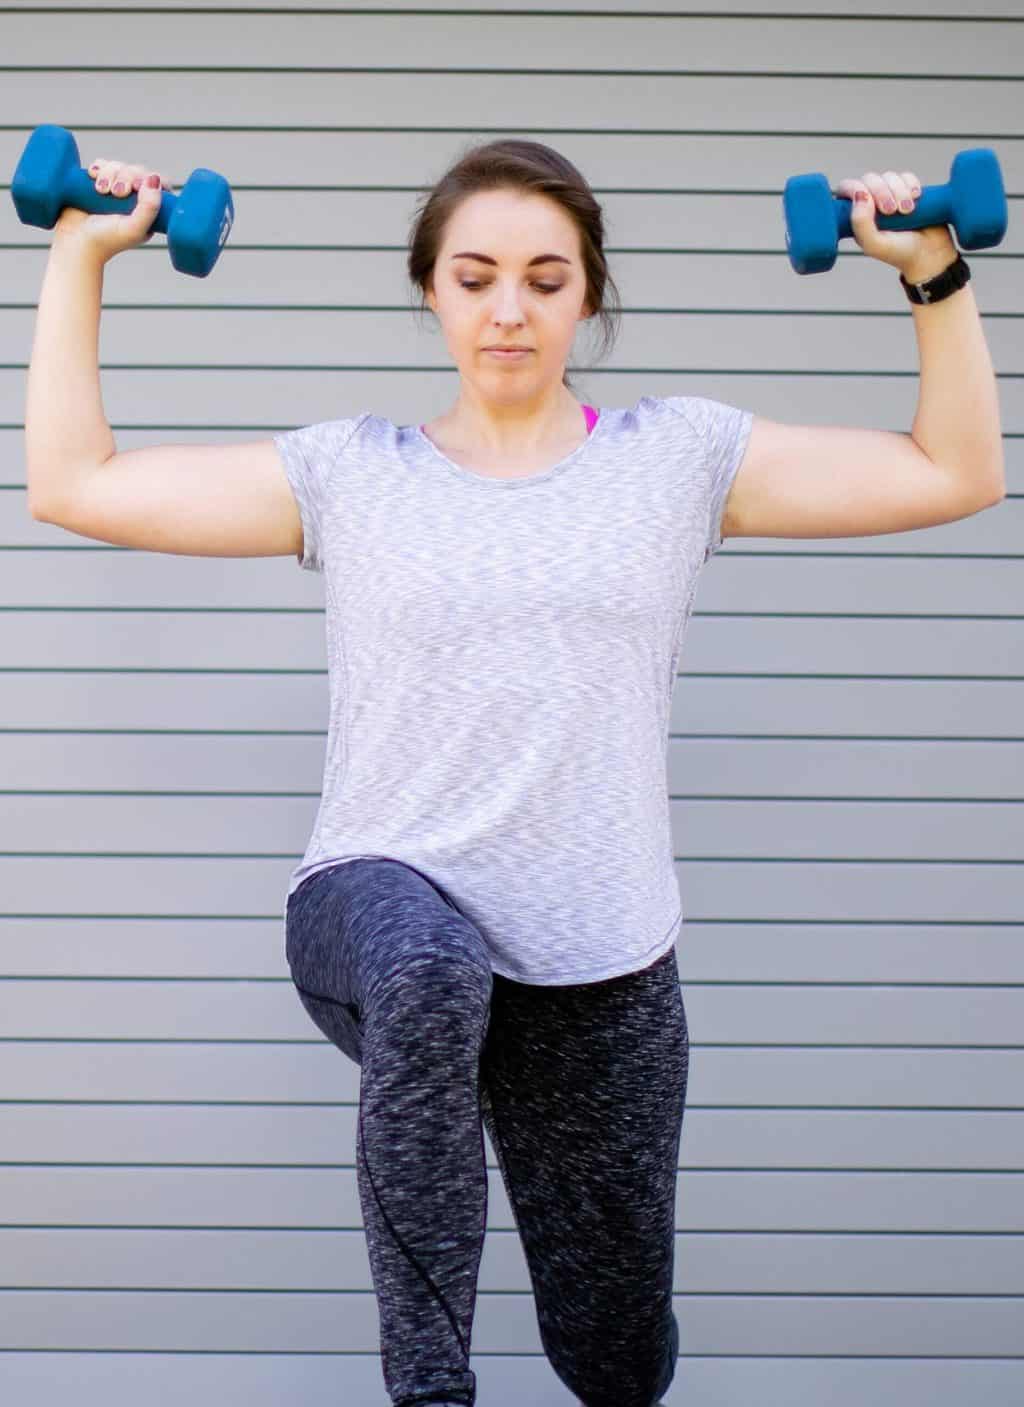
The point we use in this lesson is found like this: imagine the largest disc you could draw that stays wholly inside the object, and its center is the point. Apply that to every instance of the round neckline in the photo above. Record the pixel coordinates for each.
(521, 480)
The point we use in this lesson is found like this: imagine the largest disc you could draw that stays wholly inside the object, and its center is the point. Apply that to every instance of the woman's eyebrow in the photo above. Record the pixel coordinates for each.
(538, 259)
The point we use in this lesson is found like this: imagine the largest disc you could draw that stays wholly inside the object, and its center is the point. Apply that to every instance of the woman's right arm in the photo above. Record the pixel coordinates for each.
(204, 500)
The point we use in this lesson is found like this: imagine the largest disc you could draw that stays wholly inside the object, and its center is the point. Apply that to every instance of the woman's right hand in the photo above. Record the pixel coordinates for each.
(107, 235)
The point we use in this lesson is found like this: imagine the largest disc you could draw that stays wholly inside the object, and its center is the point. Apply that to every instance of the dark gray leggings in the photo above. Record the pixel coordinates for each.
(582, 1090)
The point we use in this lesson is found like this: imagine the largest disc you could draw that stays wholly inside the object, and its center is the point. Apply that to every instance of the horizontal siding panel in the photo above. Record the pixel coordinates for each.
(808, 707)
(734, 1013)
(666, 250)
(805, 768)
(237, 1322)
(923, 8)
(800, 829)
(171, 640)
(805, 830)
(799, 585)
(140, 398)
(693, 252)
(726, 889)
(211, 1010)
(19, 529)
(137, 397)
(806, 1382)
(925, 586)
(741, 1076)
(294, 1136)
(629, 171)
(218, 337)
(404, 99)
(96, 1379)
(993, 531)
(783, 1201)
(829, 951)
(14, 514)
(788, 46)
(504, 1323)
(944, 648)
(275, 1136)
(728, 1263)
(816, 771)
(93, 1379)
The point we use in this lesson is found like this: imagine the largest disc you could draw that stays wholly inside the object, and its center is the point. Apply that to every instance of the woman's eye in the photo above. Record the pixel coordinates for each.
(544, 287)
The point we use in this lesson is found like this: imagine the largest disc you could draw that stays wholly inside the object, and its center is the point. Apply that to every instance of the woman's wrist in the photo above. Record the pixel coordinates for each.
(934, 259)
(76, 251)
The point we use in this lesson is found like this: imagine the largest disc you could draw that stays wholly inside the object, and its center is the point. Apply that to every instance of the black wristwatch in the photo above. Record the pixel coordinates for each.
(942, 285)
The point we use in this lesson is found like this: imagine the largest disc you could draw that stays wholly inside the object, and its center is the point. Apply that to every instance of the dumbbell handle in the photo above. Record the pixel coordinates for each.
(932, 207)
(79, 191)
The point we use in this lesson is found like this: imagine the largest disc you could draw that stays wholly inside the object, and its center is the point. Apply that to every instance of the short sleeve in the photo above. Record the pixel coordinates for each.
(310, 456)
(723, 431)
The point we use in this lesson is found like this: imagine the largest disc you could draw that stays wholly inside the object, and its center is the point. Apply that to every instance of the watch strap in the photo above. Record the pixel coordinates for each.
(933, 290)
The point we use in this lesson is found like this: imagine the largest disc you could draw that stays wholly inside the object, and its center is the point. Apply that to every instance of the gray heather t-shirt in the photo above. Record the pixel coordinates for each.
(501, 657)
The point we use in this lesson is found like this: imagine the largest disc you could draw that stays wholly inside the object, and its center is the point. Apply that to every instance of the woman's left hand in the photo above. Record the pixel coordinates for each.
(918, 254)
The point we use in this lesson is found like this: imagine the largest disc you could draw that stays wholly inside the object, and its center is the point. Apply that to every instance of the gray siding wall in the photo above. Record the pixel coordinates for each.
(180, 1218)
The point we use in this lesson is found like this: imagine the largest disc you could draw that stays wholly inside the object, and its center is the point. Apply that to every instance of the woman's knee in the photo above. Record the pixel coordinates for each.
(376, 939)
(441, 979)
(421, 956)
(374, 914)
(620, 1371)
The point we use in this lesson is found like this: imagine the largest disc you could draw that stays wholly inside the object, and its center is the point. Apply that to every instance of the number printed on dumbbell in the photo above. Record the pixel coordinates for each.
(225, 227)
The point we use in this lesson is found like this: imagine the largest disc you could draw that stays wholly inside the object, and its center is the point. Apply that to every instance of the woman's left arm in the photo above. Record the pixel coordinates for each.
(834, 481)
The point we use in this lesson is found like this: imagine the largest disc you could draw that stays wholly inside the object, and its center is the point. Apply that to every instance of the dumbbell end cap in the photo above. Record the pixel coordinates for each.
(202, 220)
(38, 178)
(812, 235)
(977, 182)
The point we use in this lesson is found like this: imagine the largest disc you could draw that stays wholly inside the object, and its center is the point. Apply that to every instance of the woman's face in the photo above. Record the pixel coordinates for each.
(505, 298)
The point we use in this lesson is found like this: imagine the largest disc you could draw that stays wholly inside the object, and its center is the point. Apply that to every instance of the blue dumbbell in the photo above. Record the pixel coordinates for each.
(973, 202)
(49, 177)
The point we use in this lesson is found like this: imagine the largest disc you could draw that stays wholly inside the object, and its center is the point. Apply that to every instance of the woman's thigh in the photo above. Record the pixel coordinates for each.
(583, 1091)
(369, 939)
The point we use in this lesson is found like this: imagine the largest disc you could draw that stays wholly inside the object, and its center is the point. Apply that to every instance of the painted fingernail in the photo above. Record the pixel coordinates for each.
(103, 184)
(861, 196)
(119, 188)
(906, 206)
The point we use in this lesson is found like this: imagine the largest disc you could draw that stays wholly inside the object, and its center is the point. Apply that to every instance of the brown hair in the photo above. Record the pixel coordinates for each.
(532, 168)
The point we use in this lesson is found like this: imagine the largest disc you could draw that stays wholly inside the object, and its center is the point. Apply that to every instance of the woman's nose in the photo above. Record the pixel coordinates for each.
(508, 305)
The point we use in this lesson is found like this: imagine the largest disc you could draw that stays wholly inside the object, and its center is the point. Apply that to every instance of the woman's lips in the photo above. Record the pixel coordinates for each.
(512, 356)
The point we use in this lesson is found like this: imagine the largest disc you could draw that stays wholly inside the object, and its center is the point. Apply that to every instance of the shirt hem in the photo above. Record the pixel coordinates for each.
(634, 964)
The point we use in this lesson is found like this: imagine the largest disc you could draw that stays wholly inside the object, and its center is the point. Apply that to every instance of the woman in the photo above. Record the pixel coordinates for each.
(486, 914)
